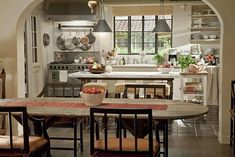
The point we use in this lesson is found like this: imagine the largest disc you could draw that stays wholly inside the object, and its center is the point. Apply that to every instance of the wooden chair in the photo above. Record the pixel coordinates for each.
(149, 91)
(111, 146)
(3, 96)
(65, 90)
(27, 145)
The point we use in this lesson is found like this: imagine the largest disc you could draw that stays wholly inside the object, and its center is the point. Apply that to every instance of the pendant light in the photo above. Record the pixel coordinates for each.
(162, 27)
(102, 25)
(92, 5)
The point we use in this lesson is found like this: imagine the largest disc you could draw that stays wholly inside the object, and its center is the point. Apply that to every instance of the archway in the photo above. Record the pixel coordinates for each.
(20, 48)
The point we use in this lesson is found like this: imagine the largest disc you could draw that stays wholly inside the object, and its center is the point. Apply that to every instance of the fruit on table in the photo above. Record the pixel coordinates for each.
(97, 66)
(92, 90)
(165, 65)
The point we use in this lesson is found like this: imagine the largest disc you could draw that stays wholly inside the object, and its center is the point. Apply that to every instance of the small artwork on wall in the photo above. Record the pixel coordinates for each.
(46, 39)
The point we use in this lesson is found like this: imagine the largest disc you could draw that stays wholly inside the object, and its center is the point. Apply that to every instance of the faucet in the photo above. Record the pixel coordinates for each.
(142, 56)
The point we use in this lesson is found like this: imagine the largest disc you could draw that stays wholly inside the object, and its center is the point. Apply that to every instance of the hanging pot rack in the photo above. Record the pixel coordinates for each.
(75, 26)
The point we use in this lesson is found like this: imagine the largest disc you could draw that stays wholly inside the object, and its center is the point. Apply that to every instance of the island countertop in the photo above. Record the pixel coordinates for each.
(124, 75)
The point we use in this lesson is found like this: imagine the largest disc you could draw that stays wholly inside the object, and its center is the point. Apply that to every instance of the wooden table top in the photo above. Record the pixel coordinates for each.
(175, 109)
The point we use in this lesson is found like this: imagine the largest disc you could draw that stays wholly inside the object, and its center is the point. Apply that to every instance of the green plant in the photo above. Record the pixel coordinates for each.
(159, 58)
(185, 61)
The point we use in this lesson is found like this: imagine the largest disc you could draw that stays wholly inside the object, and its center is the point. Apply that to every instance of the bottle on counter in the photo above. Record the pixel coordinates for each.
(122, 61)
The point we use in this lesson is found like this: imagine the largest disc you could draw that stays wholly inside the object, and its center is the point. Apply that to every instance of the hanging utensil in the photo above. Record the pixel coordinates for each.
(76, 39)
(60, 41)
(91, 37)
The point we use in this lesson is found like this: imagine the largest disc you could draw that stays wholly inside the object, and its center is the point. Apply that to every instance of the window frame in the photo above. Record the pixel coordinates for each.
(143, 37)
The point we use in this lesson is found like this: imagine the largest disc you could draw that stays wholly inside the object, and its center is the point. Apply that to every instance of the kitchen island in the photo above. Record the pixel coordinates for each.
(169, 77)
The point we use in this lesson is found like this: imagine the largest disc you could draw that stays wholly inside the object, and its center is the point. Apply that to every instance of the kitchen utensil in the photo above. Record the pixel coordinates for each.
(84, 40)
(60, 42)
(91, 37)
(76, 39)
(85, 47)
(69, 44)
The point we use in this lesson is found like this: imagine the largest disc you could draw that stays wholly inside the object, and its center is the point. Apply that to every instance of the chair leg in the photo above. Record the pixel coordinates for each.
(75, 137)
(81, 135)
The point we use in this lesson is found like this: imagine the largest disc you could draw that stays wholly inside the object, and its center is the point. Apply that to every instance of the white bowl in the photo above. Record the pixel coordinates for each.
(164, 70)
(212, 36)
(92, 99)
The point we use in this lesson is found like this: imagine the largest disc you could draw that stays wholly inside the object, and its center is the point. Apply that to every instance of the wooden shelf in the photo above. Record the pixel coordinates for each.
(205, 41)
(205, 28)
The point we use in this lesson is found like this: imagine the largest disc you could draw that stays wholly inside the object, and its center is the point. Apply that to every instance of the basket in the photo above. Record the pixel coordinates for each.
(92, 99)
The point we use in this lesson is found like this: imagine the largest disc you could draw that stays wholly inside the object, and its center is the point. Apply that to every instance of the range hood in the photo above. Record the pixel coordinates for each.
(70, 11)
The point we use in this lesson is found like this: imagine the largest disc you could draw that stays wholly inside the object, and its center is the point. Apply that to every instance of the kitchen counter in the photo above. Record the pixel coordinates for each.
(124, 75)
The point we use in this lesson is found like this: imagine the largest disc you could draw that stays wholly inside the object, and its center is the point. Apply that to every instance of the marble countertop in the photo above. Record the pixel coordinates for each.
(124, 75)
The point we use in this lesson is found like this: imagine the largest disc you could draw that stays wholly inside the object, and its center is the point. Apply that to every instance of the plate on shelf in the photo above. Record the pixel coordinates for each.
(96, 71)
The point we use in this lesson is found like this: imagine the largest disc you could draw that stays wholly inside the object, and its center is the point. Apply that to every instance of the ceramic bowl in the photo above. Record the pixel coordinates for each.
(92, 99)
(164, 70)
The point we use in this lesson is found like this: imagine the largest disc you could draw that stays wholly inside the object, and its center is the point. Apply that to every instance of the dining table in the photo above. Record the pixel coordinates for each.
(154, 76)
(162, 109)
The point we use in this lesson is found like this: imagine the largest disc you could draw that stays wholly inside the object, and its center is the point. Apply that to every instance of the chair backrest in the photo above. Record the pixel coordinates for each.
(102, 115)
(60, 89)
(22, 112)
(3, 78)
(148, 90)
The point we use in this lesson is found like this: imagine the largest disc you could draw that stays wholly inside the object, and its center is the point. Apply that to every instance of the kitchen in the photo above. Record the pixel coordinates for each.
(62, 26)
(15, 82)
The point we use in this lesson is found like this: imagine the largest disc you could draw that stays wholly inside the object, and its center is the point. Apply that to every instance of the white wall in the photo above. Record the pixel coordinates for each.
(181, 25)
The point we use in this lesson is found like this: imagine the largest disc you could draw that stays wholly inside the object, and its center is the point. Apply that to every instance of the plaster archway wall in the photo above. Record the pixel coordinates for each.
(13, 10)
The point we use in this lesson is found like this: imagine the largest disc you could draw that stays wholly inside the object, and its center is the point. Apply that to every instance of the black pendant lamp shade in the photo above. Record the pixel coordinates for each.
(102, 26)
(161, 27)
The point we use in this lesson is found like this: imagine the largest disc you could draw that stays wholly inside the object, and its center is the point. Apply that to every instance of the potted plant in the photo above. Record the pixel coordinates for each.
(185, 61)
(162, 64)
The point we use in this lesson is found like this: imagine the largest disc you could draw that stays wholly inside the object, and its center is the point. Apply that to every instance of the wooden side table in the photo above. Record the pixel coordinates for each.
(202, 84)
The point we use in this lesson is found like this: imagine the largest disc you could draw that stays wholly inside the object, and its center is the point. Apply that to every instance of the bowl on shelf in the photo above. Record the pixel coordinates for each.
(212, 36)
(164, 70)
(196, 36)
(205, 36)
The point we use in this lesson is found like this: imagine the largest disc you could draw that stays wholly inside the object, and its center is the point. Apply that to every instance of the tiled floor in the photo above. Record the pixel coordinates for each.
(187, 138)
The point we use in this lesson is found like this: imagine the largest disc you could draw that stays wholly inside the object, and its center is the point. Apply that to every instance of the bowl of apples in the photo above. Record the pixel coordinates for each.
(164, 68)
(97, 68)
(92, 96)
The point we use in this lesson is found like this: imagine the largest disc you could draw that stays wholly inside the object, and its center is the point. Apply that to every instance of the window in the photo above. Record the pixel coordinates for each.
(34, 39)
(133, 34)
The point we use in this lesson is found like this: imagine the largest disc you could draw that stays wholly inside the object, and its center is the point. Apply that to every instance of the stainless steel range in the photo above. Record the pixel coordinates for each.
(54, 69)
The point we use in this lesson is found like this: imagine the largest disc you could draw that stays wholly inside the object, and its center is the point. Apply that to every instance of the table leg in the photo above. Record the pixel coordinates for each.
(165, 138)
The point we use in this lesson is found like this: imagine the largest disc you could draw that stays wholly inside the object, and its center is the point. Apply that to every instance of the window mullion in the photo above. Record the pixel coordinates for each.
(114, 34)
(143, 33)
(156, 36)
(129, 34)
